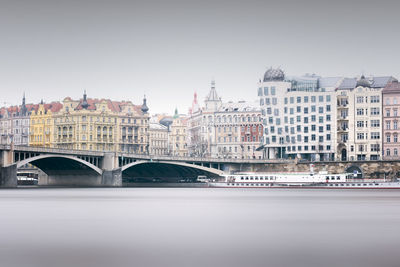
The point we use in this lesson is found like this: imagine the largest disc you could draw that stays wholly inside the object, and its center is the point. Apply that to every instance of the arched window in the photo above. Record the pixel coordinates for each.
(395, 152)
(387, 152)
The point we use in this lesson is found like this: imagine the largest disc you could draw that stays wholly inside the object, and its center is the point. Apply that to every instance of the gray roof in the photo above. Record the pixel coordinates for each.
(240, 106)
(376, 82)
(326, 82)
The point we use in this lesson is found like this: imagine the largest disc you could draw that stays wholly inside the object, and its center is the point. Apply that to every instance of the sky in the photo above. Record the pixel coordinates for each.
(167, 50)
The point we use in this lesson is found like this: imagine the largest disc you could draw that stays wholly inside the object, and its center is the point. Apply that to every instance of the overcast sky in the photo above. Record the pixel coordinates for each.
(170, 49)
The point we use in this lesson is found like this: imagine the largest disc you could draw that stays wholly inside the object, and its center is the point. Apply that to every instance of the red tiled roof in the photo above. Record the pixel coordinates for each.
(392, 87)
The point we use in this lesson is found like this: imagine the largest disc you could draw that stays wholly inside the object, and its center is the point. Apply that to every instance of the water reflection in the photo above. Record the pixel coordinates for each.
(199, 227)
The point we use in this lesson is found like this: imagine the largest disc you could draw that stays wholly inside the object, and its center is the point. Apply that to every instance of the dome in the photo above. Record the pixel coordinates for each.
(274, 75)
(363, 82)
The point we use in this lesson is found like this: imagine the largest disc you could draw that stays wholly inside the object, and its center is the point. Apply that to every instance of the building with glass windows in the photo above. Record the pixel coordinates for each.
(299, 116)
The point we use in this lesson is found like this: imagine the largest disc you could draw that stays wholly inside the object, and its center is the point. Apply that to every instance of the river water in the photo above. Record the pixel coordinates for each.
(199, 227)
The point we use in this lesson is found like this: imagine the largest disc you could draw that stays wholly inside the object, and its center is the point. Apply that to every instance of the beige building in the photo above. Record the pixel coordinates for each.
(359, 118)
(158, 135)
(177, 135)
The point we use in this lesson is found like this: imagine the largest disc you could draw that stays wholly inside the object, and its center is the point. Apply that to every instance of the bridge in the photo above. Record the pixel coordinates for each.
(61, 167)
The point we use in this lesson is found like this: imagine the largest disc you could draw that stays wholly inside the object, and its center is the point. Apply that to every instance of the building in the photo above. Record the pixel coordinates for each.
(101, 124)
(158, 136)
(14, 124)
(359, 118)
(298, 115)
(239, 130)
(391, 120)
(42, 124)
(177, 135)
(224, 130)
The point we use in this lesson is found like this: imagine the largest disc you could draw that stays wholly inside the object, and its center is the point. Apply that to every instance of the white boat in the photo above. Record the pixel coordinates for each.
(300, 180)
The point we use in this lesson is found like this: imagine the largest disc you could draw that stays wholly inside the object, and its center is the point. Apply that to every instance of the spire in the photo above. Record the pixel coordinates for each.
(23, 106)
(212, 95)
(85, 104)
(144, 106)
(176, 115)
(41, 101)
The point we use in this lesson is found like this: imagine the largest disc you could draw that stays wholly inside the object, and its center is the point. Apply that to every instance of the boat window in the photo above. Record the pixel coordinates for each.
(256, 177)
(261, 178)
(247, 178)
(241, 178)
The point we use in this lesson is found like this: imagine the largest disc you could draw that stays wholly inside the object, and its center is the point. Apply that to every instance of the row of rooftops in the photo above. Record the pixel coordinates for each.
(329, 82)
(81, 104)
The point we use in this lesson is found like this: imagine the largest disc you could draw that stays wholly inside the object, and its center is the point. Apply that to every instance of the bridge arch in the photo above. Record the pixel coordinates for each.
(55, 157)
(167, 170)
(357, 170)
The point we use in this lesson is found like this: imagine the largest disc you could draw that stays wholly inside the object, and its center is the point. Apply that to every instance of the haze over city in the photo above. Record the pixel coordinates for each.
(170, 49)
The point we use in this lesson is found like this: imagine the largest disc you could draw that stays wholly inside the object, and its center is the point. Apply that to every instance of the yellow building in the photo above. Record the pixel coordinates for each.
(178, 142)
(101, 124)
(42, 124)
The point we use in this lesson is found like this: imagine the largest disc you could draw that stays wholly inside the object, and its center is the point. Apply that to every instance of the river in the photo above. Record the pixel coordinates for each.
(46, 227)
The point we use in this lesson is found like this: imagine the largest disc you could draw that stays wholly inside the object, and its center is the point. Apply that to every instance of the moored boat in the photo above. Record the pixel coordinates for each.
(301, 180)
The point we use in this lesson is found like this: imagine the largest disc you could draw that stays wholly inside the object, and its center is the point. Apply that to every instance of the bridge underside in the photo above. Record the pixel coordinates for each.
(66, 172)
(163, 172)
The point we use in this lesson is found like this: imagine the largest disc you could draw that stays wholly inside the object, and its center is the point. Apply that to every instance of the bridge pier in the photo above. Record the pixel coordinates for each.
(8, 176)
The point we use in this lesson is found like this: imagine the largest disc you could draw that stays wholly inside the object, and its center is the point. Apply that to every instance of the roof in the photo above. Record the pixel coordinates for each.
(240, 106)
(375, 82)
(157, 126)
(393, 87)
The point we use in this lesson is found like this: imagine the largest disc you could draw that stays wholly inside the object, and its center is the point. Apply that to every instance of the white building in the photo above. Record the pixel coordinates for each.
(224, 130)
(14, 124)
(299, 115)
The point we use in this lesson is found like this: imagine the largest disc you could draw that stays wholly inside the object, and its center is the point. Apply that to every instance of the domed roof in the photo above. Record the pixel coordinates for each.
(274, 75)
(363, 82)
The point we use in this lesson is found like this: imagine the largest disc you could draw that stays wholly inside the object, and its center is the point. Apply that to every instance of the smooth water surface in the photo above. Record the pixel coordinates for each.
(199, 227)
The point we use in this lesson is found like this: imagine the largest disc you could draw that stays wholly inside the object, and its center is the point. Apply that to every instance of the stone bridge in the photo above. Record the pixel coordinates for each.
(60, 167)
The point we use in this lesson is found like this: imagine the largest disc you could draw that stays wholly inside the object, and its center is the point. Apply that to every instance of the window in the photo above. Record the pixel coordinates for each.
(360, 124)
(395, 138)
(387, 112)
(360, 111)
(305, 110)
(375, 111)
(375, 99)
(313, 108)
(321, 109)
(395, 151)
(274, 101)
(260, 91)
(395, 112)
(388, 152)
(321, 129)
(360, 136)
(265, 90)
(375, 147)
(395, 125)
(286, 100)
(313, 98)
(313, 118)
(375, 123)
(375, 135)
(328, 98)
(306, 99)
(291, 100)
(321, 98)
(328, 117)
(273, 91)
(298, 99)
(321, 119)
(388, 138)
(388, 125)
